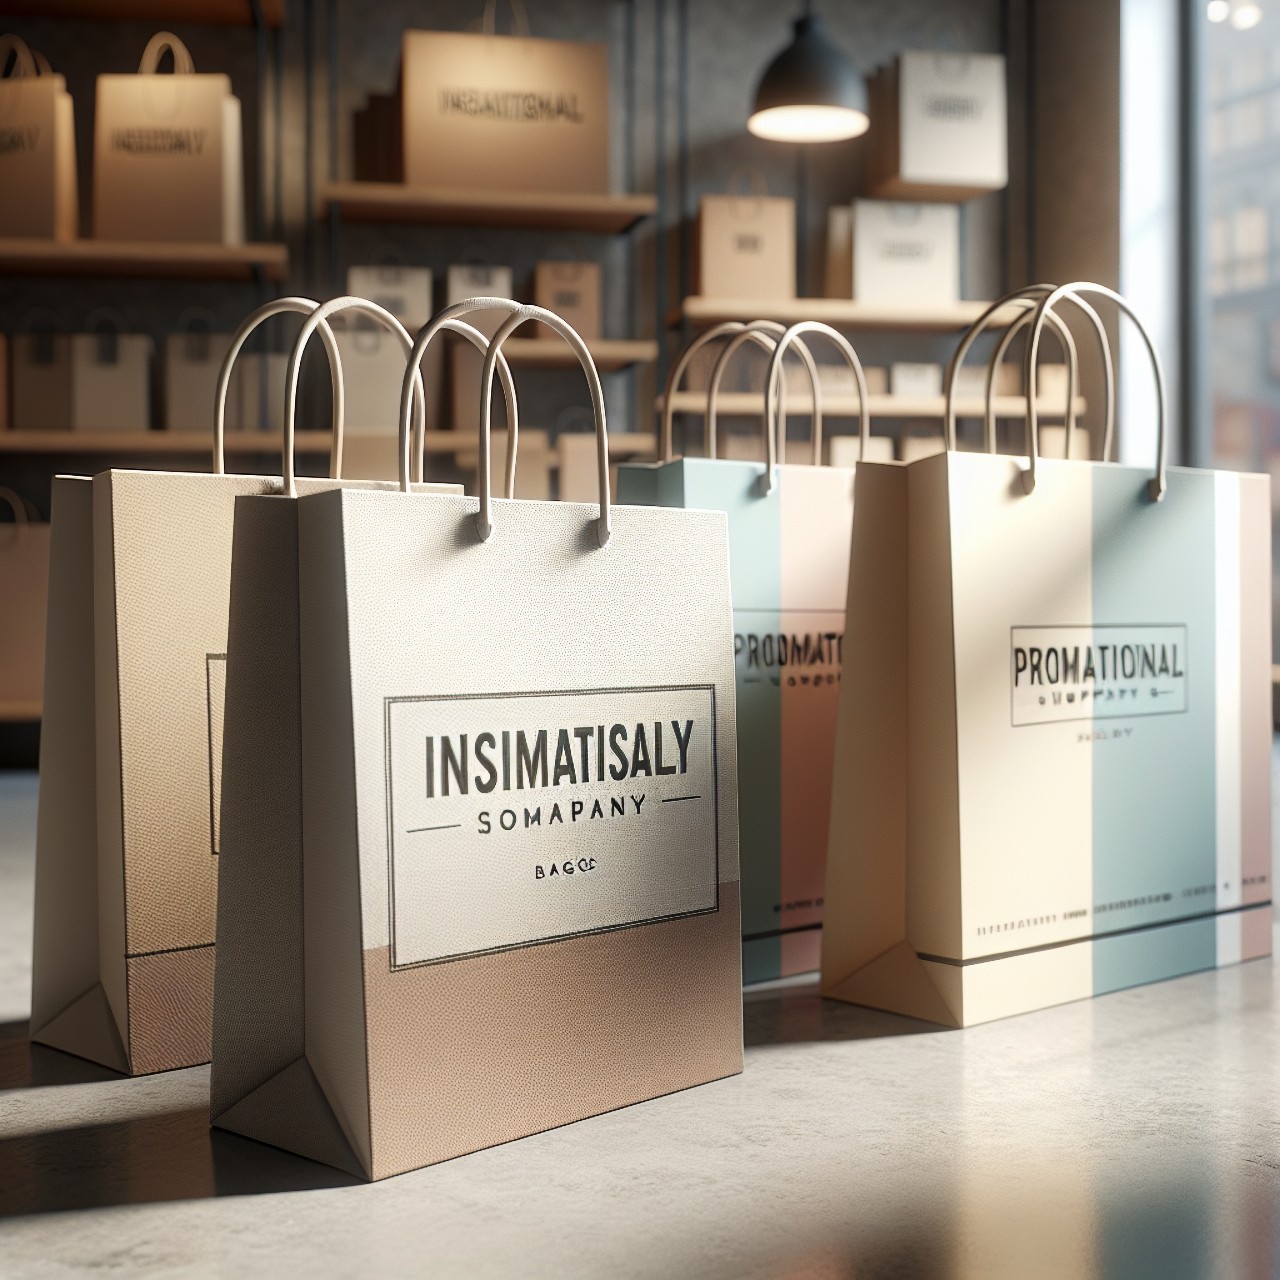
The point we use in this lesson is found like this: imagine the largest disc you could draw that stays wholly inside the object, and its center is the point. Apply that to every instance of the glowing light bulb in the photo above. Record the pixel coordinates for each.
(1246, 15)
(1218, 10)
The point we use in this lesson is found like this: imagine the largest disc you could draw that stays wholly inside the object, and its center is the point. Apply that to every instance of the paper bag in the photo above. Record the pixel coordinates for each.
(110, 380)
(572, 290)
(905, 255)
(24, 579)
(938, 127)
(41, 375)
(408, 957)
(168, 162)
(485, 112)
(789, 547)
(37, 149)
(1053, 757)
(192, 360)
(139, 571)
(746, 246)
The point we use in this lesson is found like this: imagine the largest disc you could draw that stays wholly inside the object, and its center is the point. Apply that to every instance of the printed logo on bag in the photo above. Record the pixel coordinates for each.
(906, 250)
(957, 107)
(161, 142)
(19, 138)
(519, 819)
(1097, 673)
(512, 106)
(747, 242)
(808, 659)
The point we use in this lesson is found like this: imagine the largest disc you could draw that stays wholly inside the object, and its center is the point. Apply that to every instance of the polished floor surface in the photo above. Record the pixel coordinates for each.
(1134, 1135)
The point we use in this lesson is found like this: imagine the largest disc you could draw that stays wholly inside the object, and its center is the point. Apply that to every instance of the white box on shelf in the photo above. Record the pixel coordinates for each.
(914, 379)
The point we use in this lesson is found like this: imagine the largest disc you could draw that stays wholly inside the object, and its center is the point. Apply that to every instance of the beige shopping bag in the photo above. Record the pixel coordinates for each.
(110, 376)
(168, 160)
(1053, 754)
(37, 148)
(410, 974)
(746, 245)
(485, 112)
(140, 561)
(24, 581)
(572, 289)
(41, 378)
(192, 359)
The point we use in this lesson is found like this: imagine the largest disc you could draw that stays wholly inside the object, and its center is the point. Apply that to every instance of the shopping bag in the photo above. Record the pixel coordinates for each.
(1053, 756)
(438, 946)
(484, 112)
(110, 376)
(192, 360)
(789, 546)
(37, 148)
(24, 577)
(572, 289)
(140, 561)
(746, 245)
(168, 158)
(41, 375)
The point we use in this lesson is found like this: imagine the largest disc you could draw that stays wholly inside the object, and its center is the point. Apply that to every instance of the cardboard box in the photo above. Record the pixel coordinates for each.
(906, 255)
(746, 247)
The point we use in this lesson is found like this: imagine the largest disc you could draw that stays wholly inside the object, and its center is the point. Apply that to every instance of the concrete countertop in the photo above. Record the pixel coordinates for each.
(1133, 1135)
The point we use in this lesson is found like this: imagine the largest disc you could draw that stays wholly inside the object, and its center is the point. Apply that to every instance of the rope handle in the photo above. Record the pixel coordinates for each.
(759, 331)
(15, 504)
(1066, 343)
(519, 18)
(845, 348)
(1159, 483)
(281, 306)
(448, 319)
(523, 315)
(157, 46)
(23, 66)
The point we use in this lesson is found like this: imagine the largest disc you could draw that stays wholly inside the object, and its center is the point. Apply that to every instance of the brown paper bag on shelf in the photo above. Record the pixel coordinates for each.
(420, 1017)
(37, 148)
(168, 155)
(24, 581)
(472, 280)
(745, 246)
(571, 289)
(41, 379)
(485, 112)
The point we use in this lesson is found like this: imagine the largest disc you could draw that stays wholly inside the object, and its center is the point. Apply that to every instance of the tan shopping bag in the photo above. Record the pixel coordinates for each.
(192, 360)
(410, 975)
(572, 289)
(37, 148)
(110, 376)
(168, 159)
(1053, 754)
(746, 245)
(485, 112)
(41, 376)
(140, 561)
(24, 578)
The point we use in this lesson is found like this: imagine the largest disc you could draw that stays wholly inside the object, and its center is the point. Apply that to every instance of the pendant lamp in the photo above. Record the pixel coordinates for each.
(810, 92)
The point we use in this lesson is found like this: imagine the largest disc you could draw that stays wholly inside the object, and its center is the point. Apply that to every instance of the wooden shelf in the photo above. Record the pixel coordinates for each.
(223, 13)
(19, 712)
(845, 406)
(177, 260)
(610, 354)
(170, 443)
(442, 206)
(840, 313)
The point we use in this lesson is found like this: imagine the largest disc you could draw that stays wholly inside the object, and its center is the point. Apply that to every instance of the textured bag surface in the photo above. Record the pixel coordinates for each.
(1053, 758)
(939, 127)
(788, 557)
(37, 149)
(504, 113)
(746, 246)
(24, 579)
(138, 594)
(168, 161)
(484, 824)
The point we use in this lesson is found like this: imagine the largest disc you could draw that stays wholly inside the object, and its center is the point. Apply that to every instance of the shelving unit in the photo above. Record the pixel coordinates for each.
(176, 260)
(880, 406)
(443, 206)
(224, 13)
(840, 313)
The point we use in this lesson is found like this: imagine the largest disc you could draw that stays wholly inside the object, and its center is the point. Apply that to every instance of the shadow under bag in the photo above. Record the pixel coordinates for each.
(493, 886)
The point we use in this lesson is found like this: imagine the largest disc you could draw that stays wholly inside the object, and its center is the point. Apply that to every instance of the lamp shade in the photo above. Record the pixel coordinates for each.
(810, 92)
